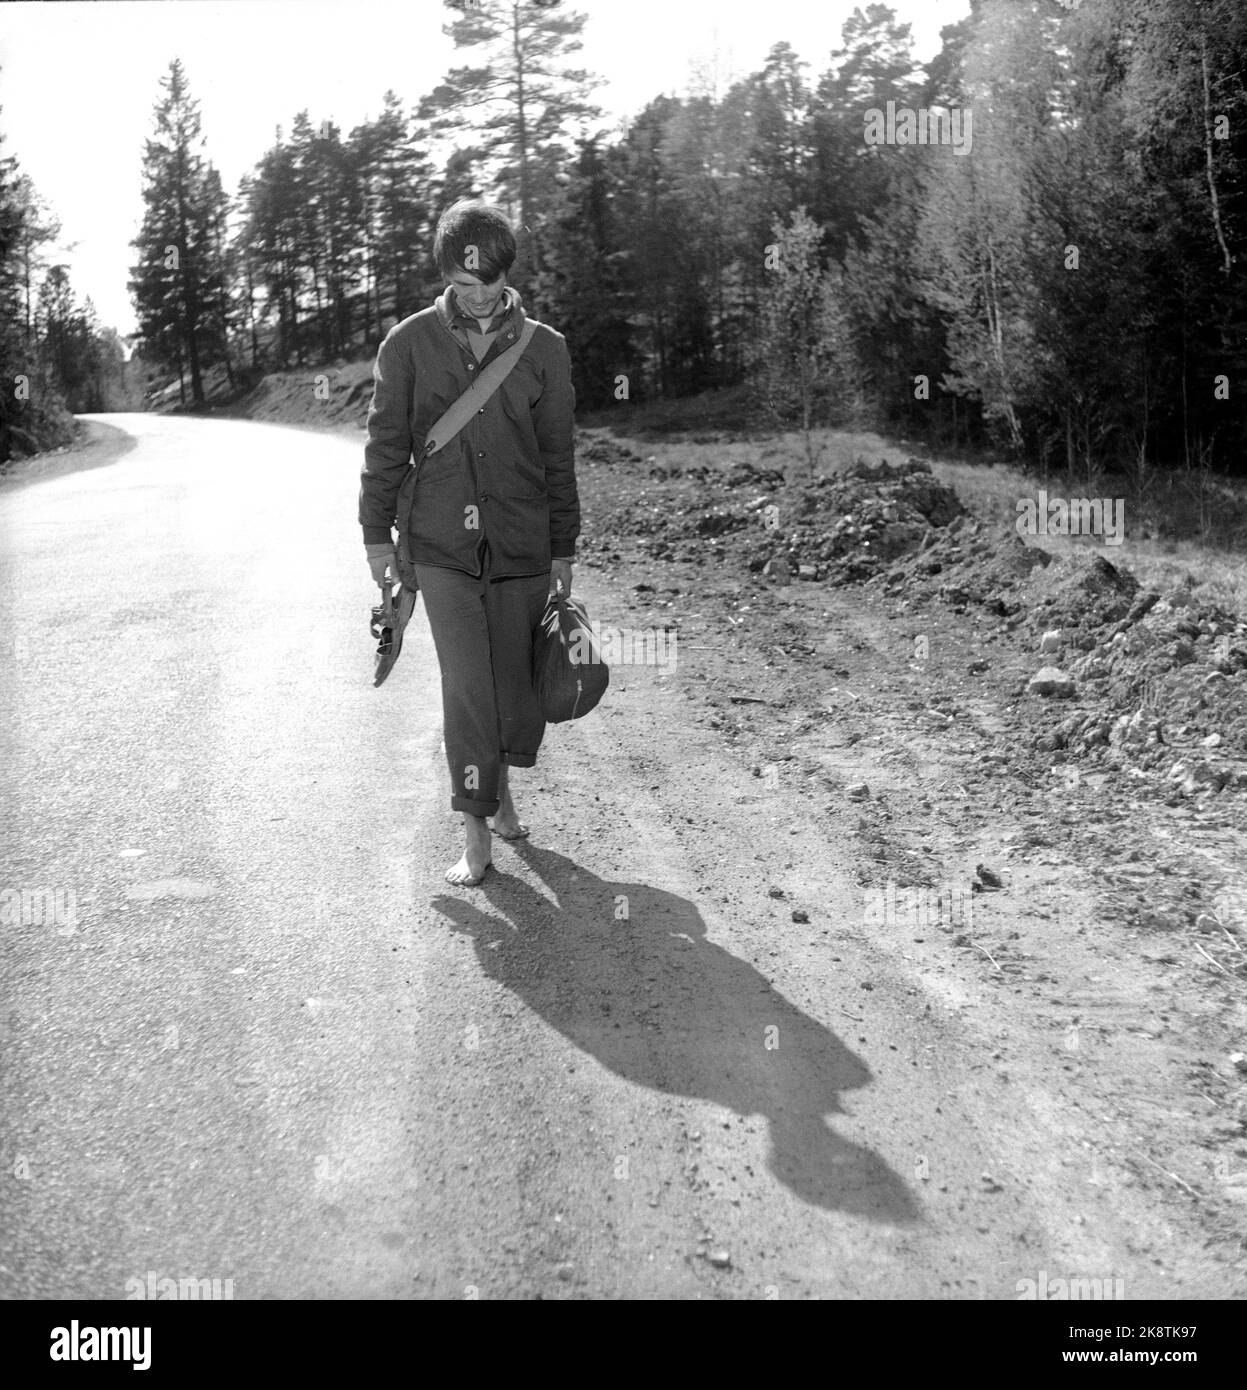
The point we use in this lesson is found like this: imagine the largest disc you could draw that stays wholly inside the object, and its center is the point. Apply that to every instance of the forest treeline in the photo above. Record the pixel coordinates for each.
(1034, 241)
(55, 355)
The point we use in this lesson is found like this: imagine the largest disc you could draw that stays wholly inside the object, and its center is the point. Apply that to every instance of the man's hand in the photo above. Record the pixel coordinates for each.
(561, 573)
(379, 558)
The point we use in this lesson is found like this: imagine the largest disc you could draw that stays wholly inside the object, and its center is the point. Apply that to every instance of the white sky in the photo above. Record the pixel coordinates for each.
(79, 81)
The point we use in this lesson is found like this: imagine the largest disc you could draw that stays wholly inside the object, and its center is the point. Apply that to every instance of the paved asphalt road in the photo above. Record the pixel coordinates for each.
(196, 764)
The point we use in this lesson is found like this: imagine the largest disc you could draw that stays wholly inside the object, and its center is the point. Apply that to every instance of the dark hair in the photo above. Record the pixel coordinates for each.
(470, 222)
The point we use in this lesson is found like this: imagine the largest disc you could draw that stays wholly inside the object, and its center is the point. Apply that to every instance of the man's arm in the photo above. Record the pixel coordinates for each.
(553, 423)
(388, 451)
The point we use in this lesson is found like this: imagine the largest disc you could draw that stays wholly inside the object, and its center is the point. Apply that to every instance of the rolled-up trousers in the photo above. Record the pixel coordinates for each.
(483, 630)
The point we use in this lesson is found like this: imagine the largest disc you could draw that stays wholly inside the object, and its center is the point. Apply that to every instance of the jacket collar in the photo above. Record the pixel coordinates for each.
(510, 314)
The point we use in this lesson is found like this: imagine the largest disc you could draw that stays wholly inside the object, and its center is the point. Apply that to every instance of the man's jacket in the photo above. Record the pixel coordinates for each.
(508, 476)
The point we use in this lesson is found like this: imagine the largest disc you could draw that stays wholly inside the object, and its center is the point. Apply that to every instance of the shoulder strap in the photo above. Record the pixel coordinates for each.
(478, 393)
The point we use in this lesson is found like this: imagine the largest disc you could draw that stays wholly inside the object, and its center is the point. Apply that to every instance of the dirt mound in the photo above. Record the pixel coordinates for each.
(973, 568)
(848, 526)
(1150, 682)
(1158, 679)
(600, 448)
(1165, 687)
(841, 528)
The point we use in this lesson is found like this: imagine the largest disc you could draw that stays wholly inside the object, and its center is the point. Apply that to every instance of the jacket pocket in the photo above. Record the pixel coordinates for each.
(525, 483)
(525, 520)
(441, 468)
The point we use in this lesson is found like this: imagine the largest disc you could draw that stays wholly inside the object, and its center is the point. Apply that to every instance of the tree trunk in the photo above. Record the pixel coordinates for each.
(522, 141)
(255, 341)
(1212, 182)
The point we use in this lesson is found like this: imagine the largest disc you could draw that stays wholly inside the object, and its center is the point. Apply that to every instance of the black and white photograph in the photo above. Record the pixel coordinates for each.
(623, 666)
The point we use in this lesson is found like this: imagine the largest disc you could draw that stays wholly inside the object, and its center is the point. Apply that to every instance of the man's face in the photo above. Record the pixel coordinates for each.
(479, 299)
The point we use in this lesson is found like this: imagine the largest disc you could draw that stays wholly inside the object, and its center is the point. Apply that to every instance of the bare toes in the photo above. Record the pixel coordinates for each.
(463, 875)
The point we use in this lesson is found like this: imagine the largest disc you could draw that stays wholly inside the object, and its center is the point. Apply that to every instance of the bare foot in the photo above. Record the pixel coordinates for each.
(506, 822)
(471, 868)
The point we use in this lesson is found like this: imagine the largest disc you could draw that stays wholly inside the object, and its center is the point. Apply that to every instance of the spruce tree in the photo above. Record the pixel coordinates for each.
(178, 273)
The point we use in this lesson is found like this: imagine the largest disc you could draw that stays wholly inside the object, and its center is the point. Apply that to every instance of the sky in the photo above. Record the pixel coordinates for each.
(79, 81)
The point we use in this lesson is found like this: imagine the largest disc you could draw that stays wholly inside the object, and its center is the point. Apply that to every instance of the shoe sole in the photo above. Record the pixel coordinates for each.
(404, 607)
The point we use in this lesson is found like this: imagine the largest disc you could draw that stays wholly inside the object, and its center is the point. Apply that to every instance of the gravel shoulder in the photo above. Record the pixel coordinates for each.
(1066, 905)
(838, 982)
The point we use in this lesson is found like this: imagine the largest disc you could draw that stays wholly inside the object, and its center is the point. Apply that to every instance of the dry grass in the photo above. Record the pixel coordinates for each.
(1210, 558)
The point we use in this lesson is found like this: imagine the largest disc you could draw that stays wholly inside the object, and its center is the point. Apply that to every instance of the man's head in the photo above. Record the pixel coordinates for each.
(474, 247)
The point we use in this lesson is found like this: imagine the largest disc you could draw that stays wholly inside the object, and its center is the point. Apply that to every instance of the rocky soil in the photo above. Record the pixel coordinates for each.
(1048, 761)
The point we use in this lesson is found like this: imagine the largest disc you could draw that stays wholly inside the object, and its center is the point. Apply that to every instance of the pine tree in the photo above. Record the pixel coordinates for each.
(331, 227)
(763, 130)
(516, 100)
(12, 340)
(39, 227)
(177, 275)
(650, 272)
(395, 181)
(850, 180)
(582, 281)
(219, 270)
(1184, 105)
(32, 407)
(268, 242)
(983, 240)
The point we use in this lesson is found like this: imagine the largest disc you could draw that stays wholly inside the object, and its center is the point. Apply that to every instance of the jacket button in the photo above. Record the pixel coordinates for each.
(484, 497)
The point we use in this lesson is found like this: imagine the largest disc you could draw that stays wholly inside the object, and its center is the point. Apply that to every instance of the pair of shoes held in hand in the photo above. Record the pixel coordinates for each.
(389, 621)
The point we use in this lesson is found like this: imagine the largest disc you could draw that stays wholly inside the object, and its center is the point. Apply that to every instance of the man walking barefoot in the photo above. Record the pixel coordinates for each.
(495, 515)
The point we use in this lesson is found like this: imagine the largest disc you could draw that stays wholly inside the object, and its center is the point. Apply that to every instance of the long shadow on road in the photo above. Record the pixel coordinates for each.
(653, 1000)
